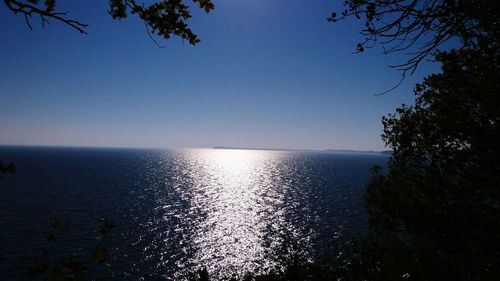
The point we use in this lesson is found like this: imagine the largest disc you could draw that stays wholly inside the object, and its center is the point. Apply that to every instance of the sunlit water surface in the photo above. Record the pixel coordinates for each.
(231, 211)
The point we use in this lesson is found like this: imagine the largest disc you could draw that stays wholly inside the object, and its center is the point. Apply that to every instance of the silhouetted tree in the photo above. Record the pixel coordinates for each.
(422, 26)
(436, 214)
(163, 17)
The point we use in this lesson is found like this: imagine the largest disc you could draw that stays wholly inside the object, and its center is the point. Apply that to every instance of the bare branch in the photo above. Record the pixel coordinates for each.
(165, 18)
(422, 26)
(28, 10)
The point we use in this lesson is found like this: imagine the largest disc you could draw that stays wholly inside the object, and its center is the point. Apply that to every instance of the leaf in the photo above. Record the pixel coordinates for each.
(50, 5)
(206, 5)
(75, 266)
(100, 254)
(106, 226)
(59, 224)
(51, 237)
(39, 265)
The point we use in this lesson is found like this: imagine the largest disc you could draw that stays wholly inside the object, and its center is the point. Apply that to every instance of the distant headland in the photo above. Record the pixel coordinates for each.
(388, 152)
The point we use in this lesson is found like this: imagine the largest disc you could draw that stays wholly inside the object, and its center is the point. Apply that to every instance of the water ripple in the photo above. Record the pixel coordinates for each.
(232, 211)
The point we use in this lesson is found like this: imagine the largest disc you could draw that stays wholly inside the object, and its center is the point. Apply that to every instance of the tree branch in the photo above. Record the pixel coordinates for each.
(28, 10)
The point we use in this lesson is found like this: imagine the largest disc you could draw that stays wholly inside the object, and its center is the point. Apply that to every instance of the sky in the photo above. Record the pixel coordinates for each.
(267, 73)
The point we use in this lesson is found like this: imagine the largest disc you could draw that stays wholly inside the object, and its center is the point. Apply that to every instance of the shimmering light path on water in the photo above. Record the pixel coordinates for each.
(232, 211)
(240, 195)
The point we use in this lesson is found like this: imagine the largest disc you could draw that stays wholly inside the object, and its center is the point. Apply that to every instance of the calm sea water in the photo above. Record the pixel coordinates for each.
(231, 211)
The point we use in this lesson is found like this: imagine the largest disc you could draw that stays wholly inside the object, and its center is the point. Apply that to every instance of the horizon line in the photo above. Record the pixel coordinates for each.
(213, 147)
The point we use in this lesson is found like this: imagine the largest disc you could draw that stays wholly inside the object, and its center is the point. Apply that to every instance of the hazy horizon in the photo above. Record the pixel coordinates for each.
(190, 148)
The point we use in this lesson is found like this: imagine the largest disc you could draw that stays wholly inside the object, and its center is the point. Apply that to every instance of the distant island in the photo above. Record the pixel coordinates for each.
(388, 152)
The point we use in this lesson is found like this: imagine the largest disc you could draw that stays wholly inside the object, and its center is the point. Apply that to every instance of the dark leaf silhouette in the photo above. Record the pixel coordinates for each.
(39, 265)
(59, 224)
(106, 226)
(420, 28)
(6, 168)
(74, 266)
(165, 18)
(100, 254)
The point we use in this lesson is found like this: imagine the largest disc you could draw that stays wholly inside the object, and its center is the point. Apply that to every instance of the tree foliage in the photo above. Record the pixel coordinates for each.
(48, 266)
(436, 214)
(6, 168)
(165, 18)
(420, 27)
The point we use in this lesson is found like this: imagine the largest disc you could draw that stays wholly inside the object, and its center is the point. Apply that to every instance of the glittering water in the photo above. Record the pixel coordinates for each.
(231, 211)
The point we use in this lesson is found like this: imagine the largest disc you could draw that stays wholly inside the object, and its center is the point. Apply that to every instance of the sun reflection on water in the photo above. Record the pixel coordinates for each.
(238, 196)
(233, 211)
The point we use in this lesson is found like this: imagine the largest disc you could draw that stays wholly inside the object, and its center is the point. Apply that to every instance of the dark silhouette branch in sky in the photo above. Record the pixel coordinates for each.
(47, 10)
(164, 18)
(421, 27)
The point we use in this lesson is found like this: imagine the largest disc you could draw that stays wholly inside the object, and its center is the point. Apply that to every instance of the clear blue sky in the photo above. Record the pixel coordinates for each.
(267, 73)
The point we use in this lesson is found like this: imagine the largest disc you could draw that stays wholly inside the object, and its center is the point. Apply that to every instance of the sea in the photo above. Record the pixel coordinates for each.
(175, 212)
